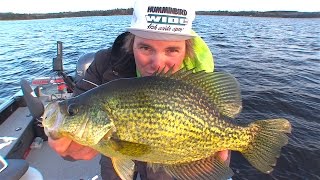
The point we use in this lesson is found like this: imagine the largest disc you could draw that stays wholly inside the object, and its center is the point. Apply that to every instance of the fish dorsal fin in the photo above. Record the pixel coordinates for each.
(221, 87)
(123, 167)
(210, 168)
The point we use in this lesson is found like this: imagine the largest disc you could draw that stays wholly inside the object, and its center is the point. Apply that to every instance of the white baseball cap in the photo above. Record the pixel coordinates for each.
(168, 20)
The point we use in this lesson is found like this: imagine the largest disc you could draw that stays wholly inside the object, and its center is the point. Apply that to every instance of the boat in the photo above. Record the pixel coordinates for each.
(24, 151)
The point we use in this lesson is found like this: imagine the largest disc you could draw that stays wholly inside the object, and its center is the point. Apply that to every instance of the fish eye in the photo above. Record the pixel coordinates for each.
(73, 109)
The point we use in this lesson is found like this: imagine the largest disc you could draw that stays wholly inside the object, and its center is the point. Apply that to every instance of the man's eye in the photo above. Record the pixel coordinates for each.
(144, 48)
(172, 51)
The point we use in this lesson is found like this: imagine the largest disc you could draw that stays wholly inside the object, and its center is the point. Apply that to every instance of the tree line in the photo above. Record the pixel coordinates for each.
(17, 16)
(281, 14)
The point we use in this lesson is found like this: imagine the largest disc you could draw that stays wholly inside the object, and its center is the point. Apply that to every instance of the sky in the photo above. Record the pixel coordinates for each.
(51, 6)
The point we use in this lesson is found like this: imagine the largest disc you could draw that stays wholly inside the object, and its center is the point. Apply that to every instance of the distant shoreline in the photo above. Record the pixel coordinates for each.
(276, 14)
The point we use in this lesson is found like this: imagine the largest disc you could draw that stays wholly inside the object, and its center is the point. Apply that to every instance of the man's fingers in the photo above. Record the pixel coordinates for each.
(85, 153)
(223, 155)
(71, 150)
(59, 145)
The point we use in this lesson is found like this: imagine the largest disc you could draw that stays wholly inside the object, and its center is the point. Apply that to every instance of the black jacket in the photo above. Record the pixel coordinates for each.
(110, 64)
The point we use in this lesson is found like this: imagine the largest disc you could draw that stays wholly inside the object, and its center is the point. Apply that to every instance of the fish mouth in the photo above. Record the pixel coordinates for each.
(49, 116)
(52, 119)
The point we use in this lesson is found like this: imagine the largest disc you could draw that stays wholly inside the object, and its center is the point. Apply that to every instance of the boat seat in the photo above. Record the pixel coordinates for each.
(15, 170)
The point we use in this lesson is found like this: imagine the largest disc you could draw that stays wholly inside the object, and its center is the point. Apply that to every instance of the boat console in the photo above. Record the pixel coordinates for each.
(19, 125)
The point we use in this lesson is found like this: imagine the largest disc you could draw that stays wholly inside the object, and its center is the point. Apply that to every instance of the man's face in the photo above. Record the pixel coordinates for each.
(153, 55)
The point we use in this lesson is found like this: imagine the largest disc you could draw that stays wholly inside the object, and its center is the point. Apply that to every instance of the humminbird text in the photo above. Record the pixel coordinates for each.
(167, 10)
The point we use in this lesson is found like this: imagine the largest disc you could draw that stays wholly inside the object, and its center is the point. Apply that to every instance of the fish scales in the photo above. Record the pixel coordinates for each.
(147, 116)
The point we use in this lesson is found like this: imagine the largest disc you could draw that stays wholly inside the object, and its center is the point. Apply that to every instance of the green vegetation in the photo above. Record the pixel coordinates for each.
(281, 14)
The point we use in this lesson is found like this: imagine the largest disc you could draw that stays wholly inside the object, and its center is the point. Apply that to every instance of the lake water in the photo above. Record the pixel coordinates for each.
(277, 62)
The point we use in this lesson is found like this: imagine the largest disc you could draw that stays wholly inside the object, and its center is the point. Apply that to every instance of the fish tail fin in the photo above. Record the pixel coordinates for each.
(264, 149)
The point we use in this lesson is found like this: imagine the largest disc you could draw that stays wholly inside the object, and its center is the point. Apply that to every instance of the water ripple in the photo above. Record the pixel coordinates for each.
(276, 62)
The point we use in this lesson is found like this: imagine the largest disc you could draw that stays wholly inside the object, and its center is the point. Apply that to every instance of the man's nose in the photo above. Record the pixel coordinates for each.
(158, 61)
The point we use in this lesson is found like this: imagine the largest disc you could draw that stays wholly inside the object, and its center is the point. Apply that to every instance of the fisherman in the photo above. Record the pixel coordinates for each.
(160, 37)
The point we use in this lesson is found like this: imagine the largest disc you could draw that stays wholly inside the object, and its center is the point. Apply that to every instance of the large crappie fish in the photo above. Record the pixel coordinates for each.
(172, 121)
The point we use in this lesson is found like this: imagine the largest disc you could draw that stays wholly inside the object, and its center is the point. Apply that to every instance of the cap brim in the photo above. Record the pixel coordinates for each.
(164, 36)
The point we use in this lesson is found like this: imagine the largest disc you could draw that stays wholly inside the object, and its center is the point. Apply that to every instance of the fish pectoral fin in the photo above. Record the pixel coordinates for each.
(129, 148)
(210, 168)
(123, 167)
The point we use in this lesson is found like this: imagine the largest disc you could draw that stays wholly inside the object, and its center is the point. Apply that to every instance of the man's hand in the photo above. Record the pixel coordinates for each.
(74, 151)
(71, 150)
(224, 156)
